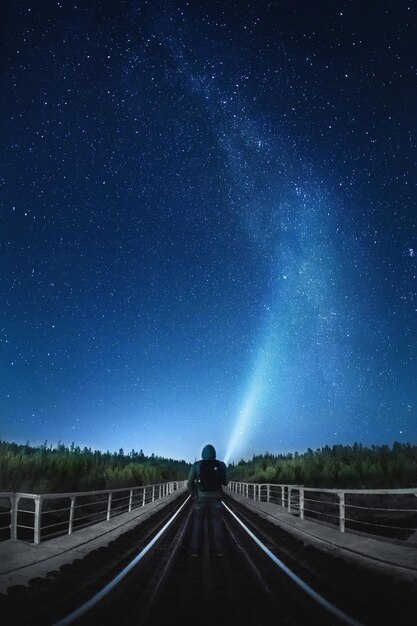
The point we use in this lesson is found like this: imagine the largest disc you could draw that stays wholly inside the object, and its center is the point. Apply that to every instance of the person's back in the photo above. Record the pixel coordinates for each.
(207, 476)
(205, 482)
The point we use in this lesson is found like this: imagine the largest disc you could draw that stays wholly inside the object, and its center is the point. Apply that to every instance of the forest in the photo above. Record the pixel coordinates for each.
(355, 466)
(48, 469)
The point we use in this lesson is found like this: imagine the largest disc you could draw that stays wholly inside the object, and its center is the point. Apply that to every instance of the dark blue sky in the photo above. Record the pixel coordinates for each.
(208, 224)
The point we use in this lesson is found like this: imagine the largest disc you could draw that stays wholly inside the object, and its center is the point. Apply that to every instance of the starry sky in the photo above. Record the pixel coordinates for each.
(208, 224)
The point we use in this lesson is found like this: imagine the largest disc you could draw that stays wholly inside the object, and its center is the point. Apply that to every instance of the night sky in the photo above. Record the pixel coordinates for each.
(208, 227)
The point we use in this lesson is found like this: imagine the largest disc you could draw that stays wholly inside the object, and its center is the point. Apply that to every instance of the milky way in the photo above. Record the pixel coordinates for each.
(208, 225)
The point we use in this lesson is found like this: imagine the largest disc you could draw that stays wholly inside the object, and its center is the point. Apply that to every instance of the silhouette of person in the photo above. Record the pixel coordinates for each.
(205, 482)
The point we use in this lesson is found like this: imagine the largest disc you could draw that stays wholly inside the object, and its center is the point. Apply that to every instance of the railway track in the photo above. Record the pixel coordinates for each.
(162, 584)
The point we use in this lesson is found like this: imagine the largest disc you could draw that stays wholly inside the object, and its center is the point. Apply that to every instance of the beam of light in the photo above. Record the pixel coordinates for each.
(298, 362)
(256, 391)
(286, 213)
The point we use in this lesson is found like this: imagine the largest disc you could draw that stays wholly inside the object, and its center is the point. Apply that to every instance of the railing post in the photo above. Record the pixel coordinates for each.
(14, 500)
(38, 515)
(341, 511)
(144, 496)
(289, 499)
(153, 493)
(109, 505)
(130, 499)
(282, 496)
(268, 493)
(71, 515)
(301, 503)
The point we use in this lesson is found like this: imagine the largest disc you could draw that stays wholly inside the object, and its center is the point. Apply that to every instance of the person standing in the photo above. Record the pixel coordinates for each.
(206, 480)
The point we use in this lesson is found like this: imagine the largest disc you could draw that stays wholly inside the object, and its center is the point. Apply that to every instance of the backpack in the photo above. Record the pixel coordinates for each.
(211, 476)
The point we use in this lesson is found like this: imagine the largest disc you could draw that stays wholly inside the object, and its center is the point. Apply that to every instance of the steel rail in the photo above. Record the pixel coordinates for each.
(162, 575)
(343, 617)
(314, 595)
(70, 619)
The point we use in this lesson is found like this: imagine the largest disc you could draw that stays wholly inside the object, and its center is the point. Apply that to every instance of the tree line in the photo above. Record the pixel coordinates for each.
(341, 466)
(48, 469)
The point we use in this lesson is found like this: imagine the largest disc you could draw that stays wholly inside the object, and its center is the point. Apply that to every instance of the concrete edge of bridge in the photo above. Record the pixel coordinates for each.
(21, 561)
(395, 559)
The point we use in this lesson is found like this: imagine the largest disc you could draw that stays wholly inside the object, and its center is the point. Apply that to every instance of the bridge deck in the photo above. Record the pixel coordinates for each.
(21, 562)
(399, 559)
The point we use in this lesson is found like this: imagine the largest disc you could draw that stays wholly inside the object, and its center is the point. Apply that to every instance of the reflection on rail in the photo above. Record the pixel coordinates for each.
(313, 595)
(69, 619)
(343, 617)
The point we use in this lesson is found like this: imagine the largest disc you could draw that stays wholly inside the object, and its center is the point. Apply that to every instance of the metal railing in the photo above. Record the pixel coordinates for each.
(363, 510)
(33, 516)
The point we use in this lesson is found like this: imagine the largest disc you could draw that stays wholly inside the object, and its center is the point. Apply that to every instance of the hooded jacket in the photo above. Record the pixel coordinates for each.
(208, 453)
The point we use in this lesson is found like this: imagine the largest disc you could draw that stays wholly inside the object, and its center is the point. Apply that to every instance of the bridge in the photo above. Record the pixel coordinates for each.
(294, 556)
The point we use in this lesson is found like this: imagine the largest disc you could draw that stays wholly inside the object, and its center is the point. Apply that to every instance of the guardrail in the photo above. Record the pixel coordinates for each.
(356, 508)
(77, 509)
